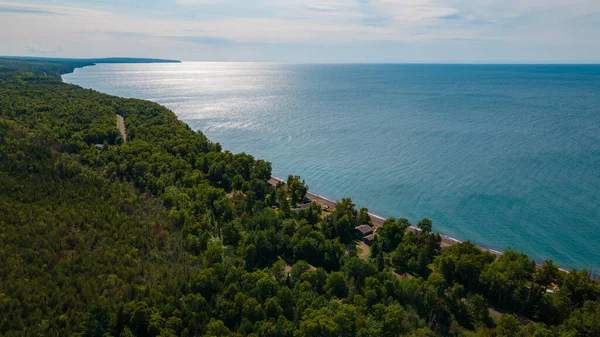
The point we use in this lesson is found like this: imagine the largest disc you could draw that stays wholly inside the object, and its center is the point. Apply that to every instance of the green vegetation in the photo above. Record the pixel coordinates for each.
(89, 61)
(169, 235)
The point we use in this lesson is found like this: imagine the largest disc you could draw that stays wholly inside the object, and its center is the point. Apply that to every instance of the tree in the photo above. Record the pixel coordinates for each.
(216, 328)
(312, 213)
(363, 217)
(97, 323)
(272, 307)
(391, 233)
(278, 271)
(508, 326)
(297, 189)
(463, 263)
(506, 279)
(141, 239)
(554, 308)
(380, 261)
(231, 234)
(333, 253)
(261, 170)
(579, 287)
(546, 275)
(140, 319)
(345, 316)
(585, 321)
(283, 200)
(318, 323)
(537, 330)
(358, 270)
(342, 222)
(478, 309)
(416, 251)
(425, 225)
(542, 279)
(336, 285)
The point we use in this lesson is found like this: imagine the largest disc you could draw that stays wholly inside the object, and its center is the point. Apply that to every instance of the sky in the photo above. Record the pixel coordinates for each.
(307, 31)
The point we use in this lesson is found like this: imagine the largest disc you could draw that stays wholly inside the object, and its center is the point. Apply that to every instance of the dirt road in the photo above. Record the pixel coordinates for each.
(121, 125)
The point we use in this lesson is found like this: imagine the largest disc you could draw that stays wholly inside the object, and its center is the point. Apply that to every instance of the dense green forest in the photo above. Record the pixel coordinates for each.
(167, 234)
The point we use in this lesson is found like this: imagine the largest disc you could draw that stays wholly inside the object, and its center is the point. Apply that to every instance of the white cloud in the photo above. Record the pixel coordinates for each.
(316, 23)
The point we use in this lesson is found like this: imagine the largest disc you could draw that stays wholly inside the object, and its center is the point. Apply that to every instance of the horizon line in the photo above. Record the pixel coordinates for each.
(558, 62)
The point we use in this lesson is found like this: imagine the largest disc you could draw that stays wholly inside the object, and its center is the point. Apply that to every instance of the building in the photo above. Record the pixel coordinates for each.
(365, 233)
(363, 230)
(368, 239)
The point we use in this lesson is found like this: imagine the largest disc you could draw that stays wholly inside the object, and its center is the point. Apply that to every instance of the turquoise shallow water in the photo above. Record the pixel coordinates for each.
(504, 156)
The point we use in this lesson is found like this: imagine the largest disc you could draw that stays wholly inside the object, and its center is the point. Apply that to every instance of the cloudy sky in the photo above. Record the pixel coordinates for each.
(463, 31)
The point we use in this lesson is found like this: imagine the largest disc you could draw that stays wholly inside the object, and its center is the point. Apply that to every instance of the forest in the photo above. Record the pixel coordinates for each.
(169, 234)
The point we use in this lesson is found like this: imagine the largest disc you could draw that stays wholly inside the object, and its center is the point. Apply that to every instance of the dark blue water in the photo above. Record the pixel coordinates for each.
(505, 156)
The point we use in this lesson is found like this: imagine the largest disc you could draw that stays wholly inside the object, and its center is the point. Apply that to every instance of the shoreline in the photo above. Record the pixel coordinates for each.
(378, 220)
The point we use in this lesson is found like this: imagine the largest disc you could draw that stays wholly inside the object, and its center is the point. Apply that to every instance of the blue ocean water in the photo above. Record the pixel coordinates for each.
(502, 155)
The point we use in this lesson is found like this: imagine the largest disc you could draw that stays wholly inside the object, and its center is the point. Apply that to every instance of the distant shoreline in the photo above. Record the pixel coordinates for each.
(125, 60)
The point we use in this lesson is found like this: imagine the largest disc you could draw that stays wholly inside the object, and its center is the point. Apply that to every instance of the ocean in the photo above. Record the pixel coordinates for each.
(507, 156)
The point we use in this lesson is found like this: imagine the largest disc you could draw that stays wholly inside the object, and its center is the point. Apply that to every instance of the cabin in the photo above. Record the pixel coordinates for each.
(368, 239)
(365, 233)
(364, 230)
(99, 146)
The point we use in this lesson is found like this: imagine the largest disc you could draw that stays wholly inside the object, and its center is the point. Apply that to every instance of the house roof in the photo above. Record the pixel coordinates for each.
(365, 229)
(369, 238)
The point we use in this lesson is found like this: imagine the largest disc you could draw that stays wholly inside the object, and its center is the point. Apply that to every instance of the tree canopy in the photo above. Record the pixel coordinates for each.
(168, 234)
